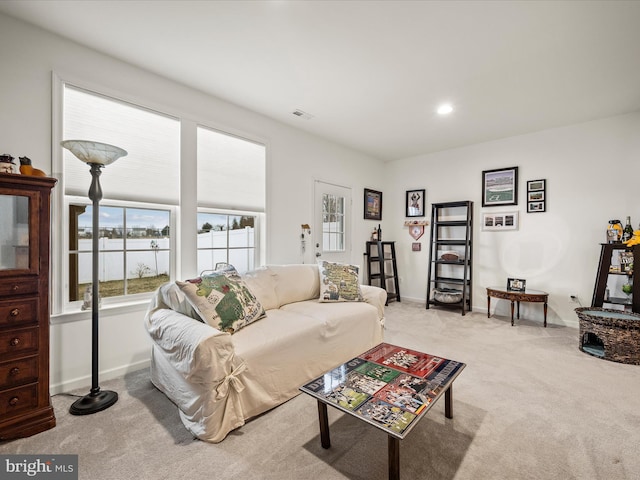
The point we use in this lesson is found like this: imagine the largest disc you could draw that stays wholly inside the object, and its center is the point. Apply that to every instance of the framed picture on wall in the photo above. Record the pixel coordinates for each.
(372, 204)
(500, 221)
(536, 196)
(500, 187)
(415, 203)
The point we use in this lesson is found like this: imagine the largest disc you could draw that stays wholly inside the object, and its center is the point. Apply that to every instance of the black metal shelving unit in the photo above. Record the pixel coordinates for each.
(382, 269)
(606, 254)
(451, 229)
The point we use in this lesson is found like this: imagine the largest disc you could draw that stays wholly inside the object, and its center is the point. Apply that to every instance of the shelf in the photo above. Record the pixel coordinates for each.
(606, 253)
(462, 238)
(383, 255)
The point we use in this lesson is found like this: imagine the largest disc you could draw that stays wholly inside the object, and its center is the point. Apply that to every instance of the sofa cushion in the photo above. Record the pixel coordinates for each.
(261, 282)
(223, 300)
(339, 282)
(295, 283)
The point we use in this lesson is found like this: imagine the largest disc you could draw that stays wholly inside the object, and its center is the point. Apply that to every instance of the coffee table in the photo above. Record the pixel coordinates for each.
(389, 387)
(517, 296)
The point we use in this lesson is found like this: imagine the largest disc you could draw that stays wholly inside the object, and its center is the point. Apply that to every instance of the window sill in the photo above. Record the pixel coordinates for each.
(77, 315)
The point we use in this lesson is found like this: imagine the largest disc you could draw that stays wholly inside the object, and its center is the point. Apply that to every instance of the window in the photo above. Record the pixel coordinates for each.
(224, 239)
(140, 194)
(231, 175)
(134, 246)
(333, 216)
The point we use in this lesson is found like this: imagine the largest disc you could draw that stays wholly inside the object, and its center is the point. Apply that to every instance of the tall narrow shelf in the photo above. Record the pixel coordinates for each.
(604, 273)
(382, 269)
(451, 230)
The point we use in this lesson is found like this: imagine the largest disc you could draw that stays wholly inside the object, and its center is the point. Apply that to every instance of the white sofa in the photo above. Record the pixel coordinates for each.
(218, 380)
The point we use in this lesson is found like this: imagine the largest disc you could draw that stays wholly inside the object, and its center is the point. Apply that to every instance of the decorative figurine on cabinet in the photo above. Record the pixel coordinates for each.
(27, 169)
(6, 163)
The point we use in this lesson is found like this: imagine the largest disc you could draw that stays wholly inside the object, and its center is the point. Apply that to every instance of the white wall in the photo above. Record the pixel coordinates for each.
(592, 171)
(29, 55)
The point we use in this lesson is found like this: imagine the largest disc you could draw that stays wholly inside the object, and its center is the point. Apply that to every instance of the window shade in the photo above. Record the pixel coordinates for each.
(149, 173)
(231, 172)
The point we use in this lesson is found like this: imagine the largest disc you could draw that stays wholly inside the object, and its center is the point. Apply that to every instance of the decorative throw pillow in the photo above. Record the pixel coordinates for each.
(339, 282)
(223, 300)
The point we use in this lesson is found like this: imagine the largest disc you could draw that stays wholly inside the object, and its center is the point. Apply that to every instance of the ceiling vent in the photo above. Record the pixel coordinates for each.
(300, 113)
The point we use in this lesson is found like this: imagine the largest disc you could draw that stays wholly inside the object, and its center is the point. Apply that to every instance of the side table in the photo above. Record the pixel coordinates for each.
(514, 296)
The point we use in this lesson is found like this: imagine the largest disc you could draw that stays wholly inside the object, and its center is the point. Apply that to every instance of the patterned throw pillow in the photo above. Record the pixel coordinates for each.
(223, 300)
(339, 282)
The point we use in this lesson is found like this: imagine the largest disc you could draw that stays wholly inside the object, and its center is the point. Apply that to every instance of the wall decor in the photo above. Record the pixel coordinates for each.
(415, 203)
(372, 204)
(516, 284)
(416, 227)
(500, 221)
(536, 196)
(416, 247)
(500, 187)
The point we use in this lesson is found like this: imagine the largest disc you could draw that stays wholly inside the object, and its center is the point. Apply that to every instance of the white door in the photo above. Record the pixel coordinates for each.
(332, 215)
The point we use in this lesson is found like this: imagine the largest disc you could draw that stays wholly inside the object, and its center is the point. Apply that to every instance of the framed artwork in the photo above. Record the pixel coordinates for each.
(500, 221)
(516, 284)
(500, 187)
(372, 204)
(536, 196)
(415, 203)
(416, 247)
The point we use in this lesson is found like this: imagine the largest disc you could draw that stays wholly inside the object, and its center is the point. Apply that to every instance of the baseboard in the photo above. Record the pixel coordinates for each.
(85, 381)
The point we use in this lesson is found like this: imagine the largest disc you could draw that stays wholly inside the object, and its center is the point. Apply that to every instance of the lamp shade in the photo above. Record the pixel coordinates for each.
(94, 152)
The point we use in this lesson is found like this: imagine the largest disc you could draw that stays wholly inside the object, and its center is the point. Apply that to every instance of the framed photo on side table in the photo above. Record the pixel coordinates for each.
(415, 203)
(516, 284)
(500, 187)
(372, 204)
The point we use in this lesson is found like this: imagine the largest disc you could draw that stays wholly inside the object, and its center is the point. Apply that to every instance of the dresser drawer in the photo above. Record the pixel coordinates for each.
(21, 286)
(18, 372)
(18, 312)
(20, 340)
(18, 400)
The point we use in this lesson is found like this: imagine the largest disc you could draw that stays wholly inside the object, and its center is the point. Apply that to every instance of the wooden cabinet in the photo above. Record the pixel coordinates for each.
(605, 275)
(25, 404)
(382, 268)
(449, 281)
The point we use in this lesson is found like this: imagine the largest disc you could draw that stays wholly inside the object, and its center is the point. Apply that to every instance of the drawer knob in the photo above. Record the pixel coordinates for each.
(14, 342)
(14, 401)
(14, 371)
(15, 312)
(15, 288)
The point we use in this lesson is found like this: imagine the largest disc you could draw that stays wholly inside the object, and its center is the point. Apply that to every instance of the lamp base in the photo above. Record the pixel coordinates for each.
(93, 403)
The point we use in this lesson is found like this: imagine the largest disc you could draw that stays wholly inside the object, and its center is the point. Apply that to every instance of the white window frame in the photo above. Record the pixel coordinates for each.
(257, 229)
(184, 215)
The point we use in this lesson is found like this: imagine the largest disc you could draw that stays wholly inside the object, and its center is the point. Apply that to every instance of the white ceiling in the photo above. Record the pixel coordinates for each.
(373, 72)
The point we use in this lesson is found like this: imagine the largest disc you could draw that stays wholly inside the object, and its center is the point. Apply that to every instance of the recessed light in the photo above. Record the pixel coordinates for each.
(445, 109)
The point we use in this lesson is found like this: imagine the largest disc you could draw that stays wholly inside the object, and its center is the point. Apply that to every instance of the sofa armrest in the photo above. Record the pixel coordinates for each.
(375, 296)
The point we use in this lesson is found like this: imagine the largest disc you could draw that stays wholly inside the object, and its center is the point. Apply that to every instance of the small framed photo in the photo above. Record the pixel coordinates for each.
(536, 195)
(415, 203)
(500, 221)
(500, 187)
(372, 204)
(516, 284)
(533, 207)
(416, 246)
(535, 185)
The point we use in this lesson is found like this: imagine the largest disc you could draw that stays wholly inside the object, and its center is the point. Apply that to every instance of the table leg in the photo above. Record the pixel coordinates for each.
(448, 402)
(394, 458)
(545, 314)
(324, 425)
(488, 306)
(512, 313)
(518, 302)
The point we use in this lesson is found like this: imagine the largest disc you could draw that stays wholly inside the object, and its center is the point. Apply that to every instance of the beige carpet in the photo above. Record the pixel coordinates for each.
(529, 405)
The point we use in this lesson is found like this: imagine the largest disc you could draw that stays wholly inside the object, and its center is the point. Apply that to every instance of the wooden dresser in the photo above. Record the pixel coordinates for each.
(25, 404)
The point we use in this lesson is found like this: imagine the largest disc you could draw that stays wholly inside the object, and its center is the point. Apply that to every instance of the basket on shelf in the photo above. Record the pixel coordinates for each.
(447, 295)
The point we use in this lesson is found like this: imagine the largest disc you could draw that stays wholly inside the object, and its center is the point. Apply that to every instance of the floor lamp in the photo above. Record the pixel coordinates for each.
(97, 155)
